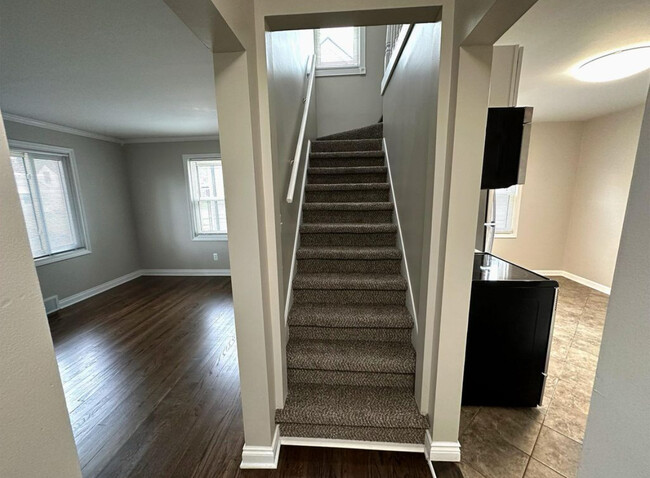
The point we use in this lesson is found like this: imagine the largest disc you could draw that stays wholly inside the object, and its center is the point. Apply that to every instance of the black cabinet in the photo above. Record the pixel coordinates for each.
(509, 334)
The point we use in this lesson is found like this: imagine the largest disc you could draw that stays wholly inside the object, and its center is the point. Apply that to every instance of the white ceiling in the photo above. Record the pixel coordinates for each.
(122, 68)
(557, 35)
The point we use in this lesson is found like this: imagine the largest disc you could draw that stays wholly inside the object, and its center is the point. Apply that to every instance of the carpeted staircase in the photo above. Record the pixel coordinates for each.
(350, 361)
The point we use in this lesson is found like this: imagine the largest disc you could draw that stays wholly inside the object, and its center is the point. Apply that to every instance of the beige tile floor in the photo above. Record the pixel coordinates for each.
(544, 442)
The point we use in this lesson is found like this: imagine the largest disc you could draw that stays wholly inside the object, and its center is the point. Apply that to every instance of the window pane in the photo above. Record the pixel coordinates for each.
(207, 193)
(57, 213)
(27, 204)
(505, 205)
(337, 47)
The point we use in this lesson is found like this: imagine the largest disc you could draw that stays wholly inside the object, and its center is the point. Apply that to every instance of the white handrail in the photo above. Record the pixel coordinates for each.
(303, 125)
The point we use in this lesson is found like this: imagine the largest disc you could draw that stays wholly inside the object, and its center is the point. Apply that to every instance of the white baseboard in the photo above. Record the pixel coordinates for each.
(98, 289)
(441, 450)
(410, 303)
(262, 457)
(185, 272)
(580, 280)
(352, 444)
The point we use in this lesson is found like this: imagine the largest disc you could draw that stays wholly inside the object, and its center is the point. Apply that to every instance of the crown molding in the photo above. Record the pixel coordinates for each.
(88, 134)
(173, 139)
(57, 127)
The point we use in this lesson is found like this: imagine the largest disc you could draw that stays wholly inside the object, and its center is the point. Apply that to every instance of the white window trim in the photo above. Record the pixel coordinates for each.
(188, 188)
(515, 217)
(357, 70)
(76, 197)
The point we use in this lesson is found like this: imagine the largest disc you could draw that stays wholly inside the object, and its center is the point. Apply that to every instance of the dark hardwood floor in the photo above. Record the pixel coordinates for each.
(150, 375)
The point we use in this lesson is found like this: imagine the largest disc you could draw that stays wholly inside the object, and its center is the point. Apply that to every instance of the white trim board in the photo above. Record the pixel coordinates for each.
(262, 457)
(580, 280)
(353, 444)
(112, 139)
(441, 450)
(185, 272)
(410, 304)
(98, 289)
(57, 127)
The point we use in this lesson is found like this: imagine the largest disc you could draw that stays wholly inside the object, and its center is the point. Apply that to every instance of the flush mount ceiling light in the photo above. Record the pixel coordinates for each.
(615, 65)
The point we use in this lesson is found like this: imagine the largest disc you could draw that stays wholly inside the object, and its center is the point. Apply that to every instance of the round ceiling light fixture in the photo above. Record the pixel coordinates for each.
(615, 65)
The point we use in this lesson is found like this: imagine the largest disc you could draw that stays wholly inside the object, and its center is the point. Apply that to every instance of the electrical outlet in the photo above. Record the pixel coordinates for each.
(215, 256)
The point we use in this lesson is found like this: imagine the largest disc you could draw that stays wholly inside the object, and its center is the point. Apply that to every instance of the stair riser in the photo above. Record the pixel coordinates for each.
(329, 239)
(346, 145)
(326, 377)
(375, 297)
(392, 435)
(382, 266)
(371, 195)
(345, 333)
(347, 217)
(344, 162)
(346, 178)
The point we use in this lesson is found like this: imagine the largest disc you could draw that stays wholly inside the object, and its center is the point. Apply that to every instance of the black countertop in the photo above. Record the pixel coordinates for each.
(490, 269)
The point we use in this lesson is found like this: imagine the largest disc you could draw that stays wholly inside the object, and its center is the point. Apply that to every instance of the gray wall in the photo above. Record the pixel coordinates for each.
(410, 104)
(106, 199)
(348, 102)
(161, 207)
(616, 441)
(287, 56)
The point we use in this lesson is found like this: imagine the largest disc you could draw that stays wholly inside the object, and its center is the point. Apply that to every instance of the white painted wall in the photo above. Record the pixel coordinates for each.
(159, 193)
(616, 440)
(35, 434)
(348, 102)
(573, 201)
(103, 184)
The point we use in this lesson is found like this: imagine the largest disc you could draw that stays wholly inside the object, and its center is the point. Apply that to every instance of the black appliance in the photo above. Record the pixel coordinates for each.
(507, 136)
(509, 334)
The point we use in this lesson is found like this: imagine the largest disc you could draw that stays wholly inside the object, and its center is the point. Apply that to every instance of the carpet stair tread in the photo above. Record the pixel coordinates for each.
(348, 228)
(348, 170)
(346, 154)
(347, 206)
(373, 131)
(348, 252)
(351, 406)
(347, 281)
(351, 356)
(362, 316)
(347, 145)
(347, 187)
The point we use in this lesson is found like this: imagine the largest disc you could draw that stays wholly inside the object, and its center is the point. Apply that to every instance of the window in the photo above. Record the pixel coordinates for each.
(48, 190)
(507, 210)
(340, 51)
(207, 197)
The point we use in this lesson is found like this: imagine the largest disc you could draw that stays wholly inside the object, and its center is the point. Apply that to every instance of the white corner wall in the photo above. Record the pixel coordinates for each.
(543, 215)
(35, 434)
(574, 198)
(608, 149)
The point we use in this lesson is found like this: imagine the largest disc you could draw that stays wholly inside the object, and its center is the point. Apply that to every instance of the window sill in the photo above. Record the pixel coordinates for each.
(360, 70)
(210, 237)
(62, 256)
(505, 236)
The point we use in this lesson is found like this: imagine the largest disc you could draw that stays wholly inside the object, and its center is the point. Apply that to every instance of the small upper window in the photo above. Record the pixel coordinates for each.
(340, 51)
(50, 201)
(207, 196)
(507, 210)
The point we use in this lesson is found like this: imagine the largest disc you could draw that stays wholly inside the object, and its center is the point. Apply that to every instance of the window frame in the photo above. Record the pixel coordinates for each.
(194, 235)
(516, 207)
(344, 71)
(75, 197)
